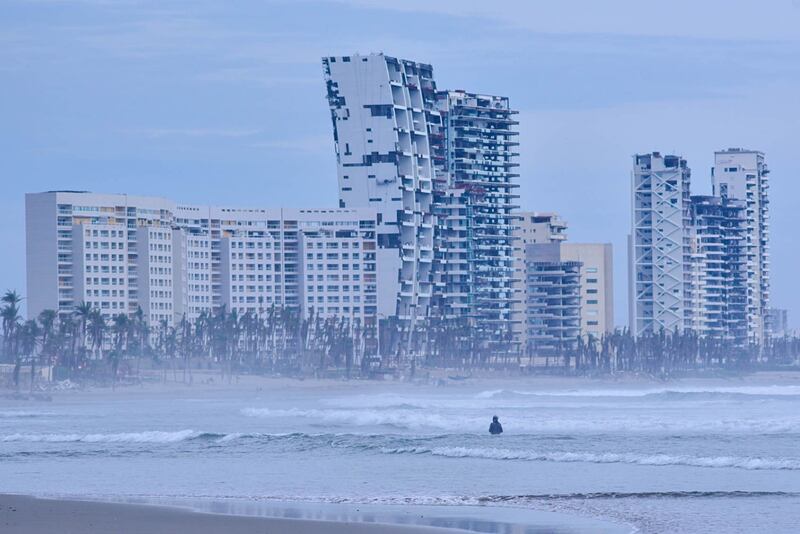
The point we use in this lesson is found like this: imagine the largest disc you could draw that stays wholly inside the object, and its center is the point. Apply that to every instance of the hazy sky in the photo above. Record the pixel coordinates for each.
(223, 102)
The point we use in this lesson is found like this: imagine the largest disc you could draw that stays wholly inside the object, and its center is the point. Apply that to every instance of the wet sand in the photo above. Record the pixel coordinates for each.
(28, 515)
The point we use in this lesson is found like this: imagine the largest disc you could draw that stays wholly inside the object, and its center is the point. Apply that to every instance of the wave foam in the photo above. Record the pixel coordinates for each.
(395, 418)
(450, 421)
(22, 414)
(689, 392)
(152, 436)
(608, 457)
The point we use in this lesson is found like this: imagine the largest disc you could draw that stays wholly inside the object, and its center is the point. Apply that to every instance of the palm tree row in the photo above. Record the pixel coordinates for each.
(665, 353)
(87, 344)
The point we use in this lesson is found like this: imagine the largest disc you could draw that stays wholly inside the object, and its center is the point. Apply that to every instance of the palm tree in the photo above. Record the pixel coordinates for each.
(47, 321)
(83, 312)
(185, 342)
(27, 335)
(97, 332)
(121, 329)
(141, 334)
(11, 318)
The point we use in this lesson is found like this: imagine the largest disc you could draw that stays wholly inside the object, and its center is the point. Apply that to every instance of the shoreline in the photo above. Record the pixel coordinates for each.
(210, 382)
(23, 514)
(20, 514)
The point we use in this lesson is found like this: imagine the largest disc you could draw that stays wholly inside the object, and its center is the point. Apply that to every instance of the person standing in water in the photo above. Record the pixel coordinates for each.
(495, 428)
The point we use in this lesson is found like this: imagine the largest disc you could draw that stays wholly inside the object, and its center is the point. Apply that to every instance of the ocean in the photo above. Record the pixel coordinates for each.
(687, 457)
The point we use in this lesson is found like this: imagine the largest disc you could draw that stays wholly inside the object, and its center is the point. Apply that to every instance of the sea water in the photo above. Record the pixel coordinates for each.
(653, 459)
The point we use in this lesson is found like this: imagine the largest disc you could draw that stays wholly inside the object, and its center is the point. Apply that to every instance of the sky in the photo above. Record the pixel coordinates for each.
(216, 102)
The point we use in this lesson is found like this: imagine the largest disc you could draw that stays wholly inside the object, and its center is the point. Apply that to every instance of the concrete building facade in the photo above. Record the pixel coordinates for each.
(659, 280)
(597, 285)
(380, 109)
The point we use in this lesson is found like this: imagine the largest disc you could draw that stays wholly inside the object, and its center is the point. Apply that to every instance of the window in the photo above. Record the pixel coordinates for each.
(591, 280)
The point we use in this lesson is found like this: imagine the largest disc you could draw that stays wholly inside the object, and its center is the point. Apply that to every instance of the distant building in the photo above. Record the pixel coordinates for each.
(536, 227)
(718, 289)
(597, 285)
(700, 263)
(596, 273)
(531, 228)
(659, 276)
(742, 175)
(779, 321)
(120, 253)
(474, 153)
(553, 301)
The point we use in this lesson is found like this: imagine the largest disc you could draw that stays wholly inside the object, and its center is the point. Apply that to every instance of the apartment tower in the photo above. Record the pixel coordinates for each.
(473, 141)
(659, 277)
(743, 175)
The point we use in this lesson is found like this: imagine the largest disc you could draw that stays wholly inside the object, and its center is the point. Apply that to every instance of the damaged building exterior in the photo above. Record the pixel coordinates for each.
(439, 167)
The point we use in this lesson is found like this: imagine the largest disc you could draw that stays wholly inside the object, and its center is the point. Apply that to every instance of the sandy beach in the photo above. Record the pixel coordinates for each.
(28, 515)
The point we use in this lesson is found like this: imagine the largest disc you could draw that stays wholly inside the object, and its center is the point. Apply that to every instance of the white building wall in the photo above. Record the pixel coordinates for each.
(49, 270)
(597, 285)
(250, 271)
(170, 260)
(156, 288)
(100, 263)
(196, 280)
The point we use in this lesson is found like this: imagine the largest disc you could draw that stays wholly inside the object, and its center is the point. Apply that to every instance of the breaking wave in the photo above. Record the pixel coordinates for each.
(404, 419)
(152, 436)
(22, 414)
(397, 445)
(668, 393)
(604, 458)
(457, 422)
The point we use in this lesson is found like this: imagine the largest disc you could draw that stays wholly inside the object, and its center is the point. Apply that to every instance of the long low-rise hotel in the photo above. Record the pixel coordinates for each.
(120, 253)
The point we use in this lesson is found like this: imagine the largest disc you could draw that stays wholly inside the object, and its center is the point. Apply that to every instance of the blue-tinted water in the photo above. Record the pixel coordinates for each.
(663, 459)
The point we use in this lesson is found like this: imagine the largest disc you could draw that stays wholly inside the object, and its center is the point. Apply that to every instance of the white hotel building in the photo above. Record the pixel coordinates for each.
(121, 252)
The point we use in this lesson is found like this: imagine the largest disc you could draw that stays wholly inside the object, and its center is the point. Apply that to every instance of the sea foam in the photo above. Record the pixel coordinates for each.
(151, 436)
(604, 458)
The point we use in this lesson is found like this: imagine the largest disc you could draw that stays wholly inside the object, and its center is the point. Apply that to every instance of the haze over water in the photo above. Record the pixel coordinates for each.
(691, 458)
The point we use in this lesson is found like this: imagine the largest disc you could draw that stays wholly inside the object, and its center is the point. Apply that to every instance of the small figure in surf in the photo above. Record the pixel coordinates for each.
(495, 428)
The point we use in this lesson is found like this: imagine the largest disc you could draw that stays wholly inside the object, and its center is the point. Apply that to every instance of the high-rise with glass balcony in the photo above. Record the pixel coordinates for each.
(473, 141)
(741, 174)
(718, 269)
